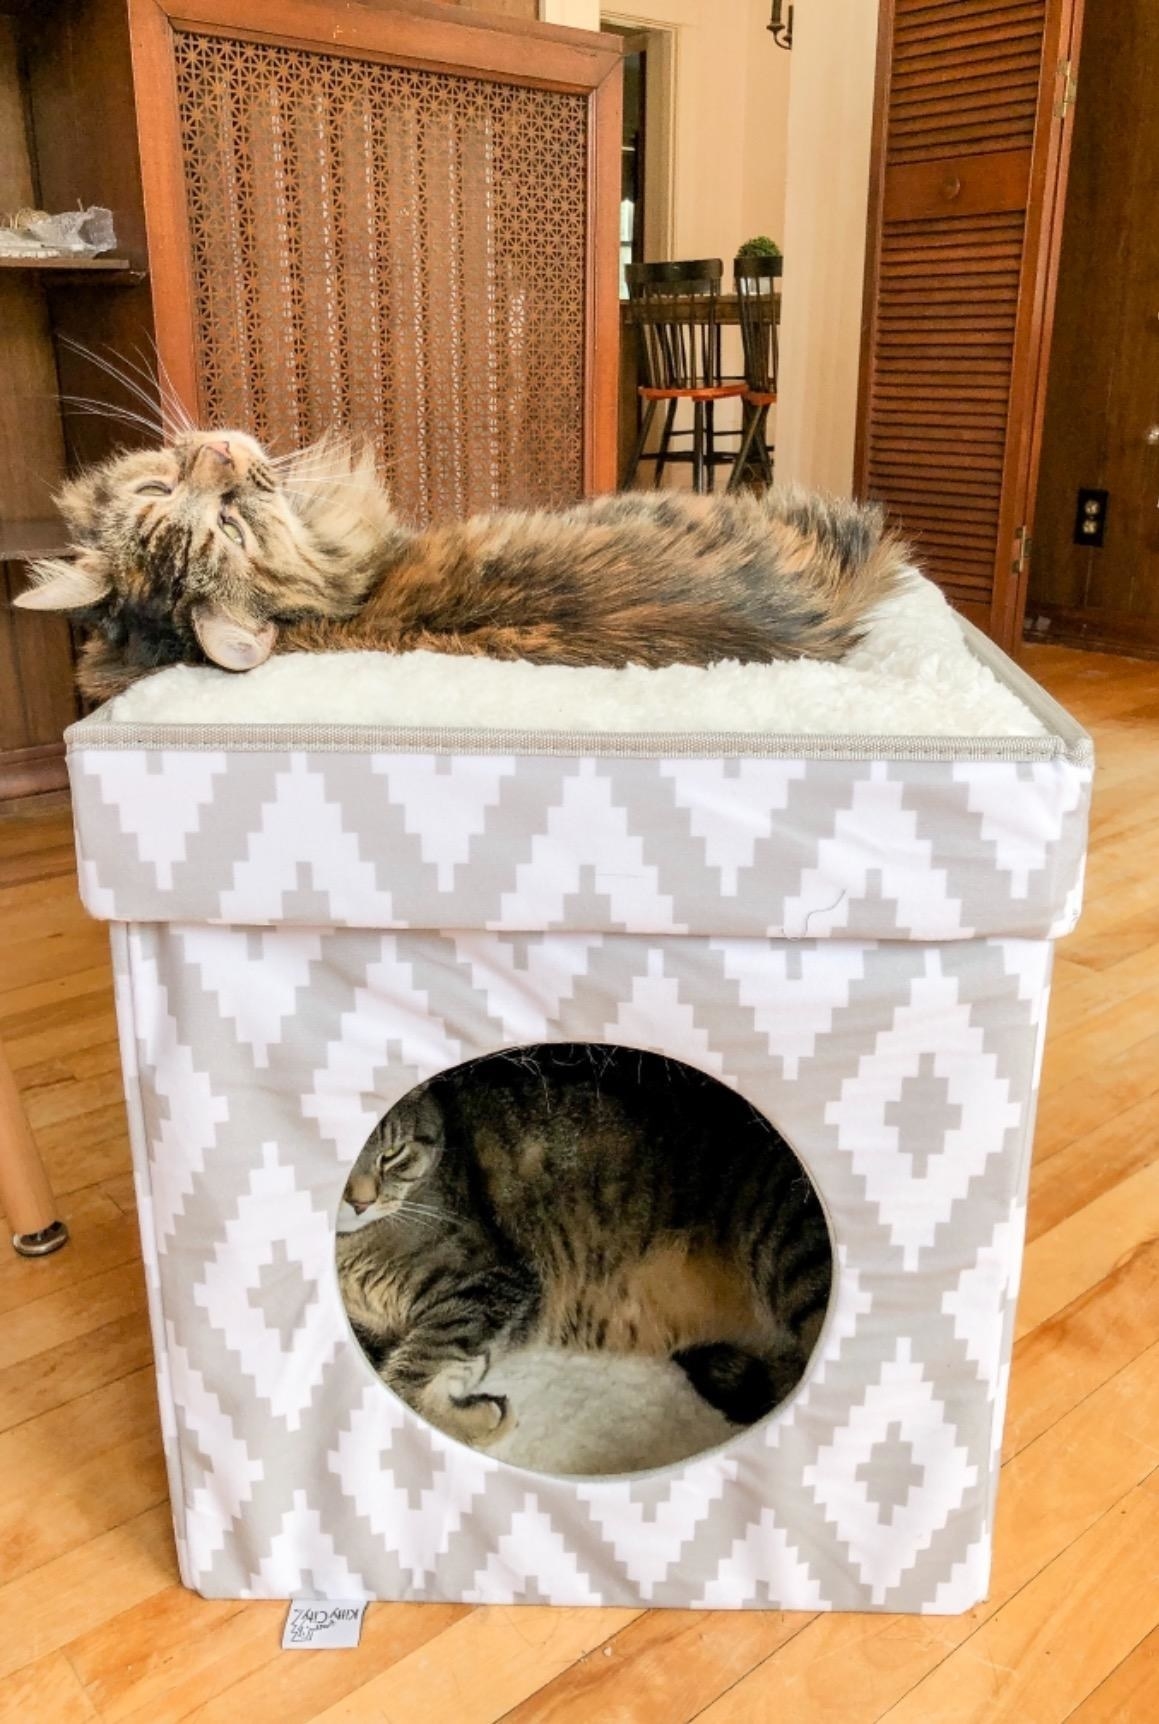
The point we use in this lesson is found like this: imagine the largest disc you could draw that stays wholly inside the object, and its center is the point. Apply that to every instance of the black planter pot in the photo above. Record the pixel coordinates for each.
(758, 265)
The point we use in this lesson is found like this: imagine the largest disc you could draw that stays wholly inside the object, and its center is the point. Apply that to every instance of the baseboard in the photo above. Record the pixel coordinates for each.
(1097, 630)
(32, 771)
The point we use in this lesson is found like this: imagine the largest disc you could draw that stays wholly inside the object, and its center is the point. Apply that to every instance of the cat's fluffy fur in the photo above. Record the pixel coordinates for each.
(209, 550)
(589, 1198)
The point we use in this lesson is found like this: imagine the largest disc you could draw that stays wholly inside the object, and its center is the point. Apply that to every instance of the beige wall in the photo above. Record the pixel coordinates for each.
(731, 112)
(772, 142)
(730, 115)
(580, 14)
(730, 102)
(830, 119)
(767, 82)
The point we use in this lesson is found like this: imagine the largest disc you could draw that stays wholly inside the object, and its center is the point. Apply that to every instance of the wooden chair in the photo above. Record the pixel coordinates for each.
(25, 1193)
(756, 291)
(674, 309)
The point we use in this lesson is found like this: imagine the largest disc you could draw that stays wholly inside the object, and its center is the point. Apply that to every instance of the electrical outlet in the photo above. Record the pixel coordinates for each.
(1090, 521)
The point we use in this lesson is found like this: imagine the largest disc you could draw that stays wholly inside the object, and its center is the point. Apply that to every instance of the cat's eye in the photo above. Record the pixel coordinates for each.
(390, 1152)
(154, 489)
(231, 529)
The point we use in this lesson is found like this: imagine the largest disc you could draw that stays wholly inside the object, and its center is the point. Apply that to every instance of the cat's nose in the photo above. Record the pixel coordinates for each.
(356, 1206)
(220, 447)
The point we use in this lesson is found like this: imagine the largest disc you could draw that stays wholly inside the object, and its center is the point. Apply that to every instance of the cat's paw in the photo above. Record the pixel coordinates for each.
(482, 1419)
(458, 1380)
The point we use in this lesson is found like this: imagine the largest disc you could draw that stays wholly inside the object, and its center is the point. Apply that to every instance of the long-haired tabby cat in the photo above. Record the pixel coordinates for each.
(208, 550)
(583, 1197)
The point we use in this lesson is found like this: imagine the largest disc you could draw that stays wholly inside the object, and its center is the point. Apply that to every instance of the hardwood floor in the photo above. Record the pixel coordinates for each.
(95, 1625)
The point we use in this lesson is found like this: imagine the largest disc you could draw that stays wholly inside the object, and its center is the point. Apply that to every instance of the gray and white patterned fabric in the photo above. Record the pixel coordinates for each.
(902, 1073)
(861, 947)
(757, 844)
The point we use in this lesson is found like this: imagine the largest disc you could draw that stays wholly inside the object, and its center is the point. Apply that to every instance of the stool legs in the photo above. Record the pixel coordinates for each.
(638, 451)
(752, 420)
(665, 440)
(24, 1189)
(704, 456)
(698, 463)
(764, 454)
(753, 442)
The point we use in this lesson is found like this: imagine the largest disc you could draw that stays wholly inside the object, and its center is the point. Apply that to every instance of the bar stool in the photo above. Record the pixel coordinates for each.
(758, 303)
(675, 314)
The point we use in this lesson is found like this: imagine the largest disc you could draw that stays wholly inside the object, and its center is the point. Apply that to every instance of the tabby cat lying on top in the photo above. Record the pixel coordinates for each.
(208, 550)
(590, 1198)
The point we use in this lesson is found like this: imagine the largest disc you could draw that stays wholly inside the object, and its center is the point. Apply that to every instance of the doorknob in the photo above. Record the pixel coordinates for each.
(1153, 434)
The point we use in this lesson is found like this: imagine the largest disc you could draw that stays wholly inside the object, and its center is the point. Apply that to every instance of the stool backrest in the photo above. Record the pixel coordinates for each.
(675, 315)
(759, 301)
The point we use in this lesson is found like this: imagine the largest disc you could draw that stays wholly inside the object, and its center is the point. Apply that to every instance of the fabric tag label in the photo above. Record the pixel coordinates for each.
(318, 1622)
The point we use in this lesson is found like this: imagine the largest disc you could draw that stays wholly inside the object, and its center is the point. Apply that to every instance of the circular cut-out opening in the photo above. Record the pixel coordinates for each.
(583, 1259)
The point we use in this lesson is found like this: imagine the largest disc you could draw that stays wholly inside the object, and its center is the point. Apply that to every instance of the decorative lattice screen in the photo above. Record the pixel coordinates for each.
(393, 250)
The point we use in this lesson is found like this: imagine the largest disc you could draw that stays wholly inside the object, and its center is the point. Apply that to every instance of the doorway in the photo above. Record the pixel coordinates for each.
(646, 146)
(1094, 577)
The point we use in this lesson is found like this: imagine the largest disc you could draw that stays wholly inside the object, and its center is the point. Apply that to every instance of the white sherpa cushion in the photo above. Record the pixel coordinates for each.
(599, 1413)
(912, 675)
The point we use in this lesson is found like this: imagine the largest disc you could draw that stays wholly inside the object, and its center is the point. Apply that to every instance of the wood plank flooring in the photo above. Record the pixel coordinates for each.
(95, 1626)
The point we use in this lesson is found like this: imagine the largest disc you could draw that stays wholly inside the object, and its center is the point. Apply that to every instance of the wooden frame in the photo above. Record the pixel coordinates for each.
(1043, 201)
(400, 32)
(874, 219)
(1036, 294)
(660, 42)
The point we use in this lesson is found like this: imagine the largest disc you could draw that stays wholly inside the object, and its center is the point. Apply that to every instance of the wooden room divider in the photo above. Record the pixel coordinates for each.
(390, 218)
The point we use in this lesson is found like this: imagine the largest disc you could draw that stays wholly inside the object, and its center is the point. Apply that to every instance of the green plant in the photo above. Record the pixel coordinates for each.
(762, 246)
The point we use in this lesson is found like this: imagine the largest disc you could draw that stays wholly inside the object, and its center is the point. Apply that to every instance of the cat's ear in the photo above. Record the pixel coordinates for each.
(65, 586)
(231, 642)
(80, 502)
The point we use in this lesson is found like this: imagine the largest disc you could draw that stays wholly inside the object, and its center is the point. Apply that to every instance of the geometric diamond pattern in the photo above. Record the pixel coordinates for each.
(889, 1495)
(890, 1473)
(934, 1026)
(925, 1096)
(867, 1490)
(372, 955)
(333, 836)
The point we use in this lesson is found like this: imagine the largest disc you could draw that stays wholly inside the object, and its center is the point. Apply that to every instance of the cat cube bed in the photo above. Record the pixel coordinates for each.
(834, 888)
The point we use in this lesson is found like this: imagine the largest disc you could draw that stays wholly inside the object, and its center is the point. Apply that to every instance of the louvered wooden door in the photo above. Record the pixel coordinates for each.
(971, 139)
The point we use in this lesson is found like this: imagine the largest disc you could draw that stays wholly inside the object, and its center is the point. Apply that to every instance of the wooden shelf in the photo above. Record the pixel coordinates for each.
(110, 266)
(20, 541)
(64, 261)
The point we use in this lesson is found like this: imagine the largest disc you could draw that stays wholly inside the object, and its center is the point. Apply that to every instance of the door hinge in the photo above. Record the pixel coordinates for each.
(1068, 87)
(1021, 552)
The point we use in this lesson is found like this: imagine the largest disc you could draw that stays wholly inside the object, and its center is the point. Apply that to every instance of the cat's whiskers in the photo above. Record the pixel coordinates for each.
(150, 399)
(94, 409)
(178, 411)
(409, 1207)
(301, 482)
(150, 382)
(425, 1223)
(149, 389)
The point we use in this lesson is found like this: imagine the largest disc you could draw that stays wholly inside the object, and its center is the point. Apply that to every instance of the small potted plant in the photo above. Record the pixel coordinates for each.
(763, 246)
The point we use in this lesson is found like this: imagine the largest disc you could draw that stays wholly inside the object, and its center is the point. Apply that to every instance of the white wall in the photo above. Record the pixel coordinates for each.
(730, 118)
(830, 120)
(772, 142)
(579, 14)
(768, 71)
